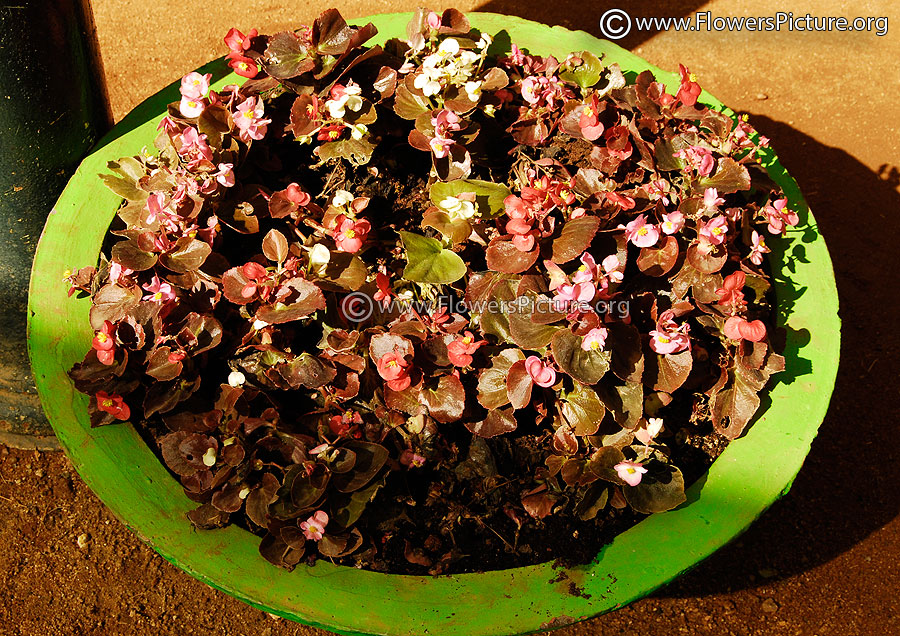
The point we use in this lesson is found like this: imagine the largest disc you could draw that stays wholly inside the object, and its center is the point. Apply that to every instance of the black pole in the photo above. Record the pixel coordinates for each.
(53, 108)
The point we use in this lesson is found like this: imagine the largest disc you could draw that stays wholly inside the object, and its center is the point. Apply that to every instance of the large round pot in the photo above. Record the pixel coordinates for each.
(117, 464)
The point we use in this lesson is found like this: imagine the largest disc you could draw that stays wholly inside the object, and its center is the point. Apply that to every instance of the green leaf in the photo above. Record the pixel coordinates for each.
(738, 402)
(587, 74)
(489, 196)
(348, 508)
(129, 254)
(455, 231)
(487, 296)
(593, 499)
(524, 331)
(667, 372)
(356, 151)
(429, 262)
(304, 300)
(602, 462)
(408, 105)
(625, 402)
(661, 489)
(518, 385)
(503, 256)
(585, 366)
(124, 187)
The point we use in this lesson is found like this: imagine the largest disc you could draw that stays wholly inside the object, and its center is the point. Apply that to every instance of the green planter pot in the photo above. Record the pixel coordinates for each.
(127, 476)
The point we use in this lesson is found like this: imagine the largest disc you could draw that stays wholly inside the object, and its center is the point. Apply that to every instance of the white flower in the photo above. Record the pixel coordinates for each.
(209, 457)
(341, 198)
(243, 493)
(349, 98)
(457, 209)
(485, 41)
(358, 131)
(236, 378)
(260, 324)
(427, 85)
(473, 90)
(448, 47)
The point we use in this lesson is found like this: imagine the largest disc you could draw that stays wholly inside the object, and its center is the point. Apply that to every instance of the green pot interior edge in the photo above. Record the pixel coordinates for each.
(126, 475)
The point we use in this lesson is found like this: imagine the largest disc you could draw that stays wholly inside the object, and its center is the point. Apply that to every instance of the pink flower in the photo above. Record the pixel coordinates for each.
(349, 235)
(243, 66)
(568, 295)
(778, 216)
(672, 222)
(630, 472)
(440, 146)
(738, 328)
(698, 158)
(541, 374)
(155, 206)
(618, 142)
(411, 459)
(714, 231)
(194, 148)
(433, 20)
(159, 292)
(690, 90)
(346, 424)
(394, 369)
(460, 350)
(642, 234)
(249, 119)
(759, 248)
(595, 339)
(314, 527)
(658, 190)
(194, 85)
(711, 199)
(104, 343)
(444, 122)
(588, 269)
(623, 201)
(589, 122)
(669, 337)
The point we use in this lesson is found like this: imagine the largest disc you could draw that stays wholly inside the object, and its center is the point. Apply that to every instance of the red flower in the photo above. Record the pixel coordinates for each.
(738, 328)
(238, 42)
(589, 122)
(257, 274)
(330, 133)
(460, 350)
(393, 368)
(346, 425)
(105, 344)
(243, 66)
(730, 291)
(690, 89)
(113, 404)
(384, 293)
(349, 235)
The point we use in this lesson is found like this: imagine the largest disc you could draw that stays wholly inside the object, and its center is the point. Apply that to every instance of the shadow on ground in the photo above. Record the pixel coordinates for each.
(568, 13)
(847, 488)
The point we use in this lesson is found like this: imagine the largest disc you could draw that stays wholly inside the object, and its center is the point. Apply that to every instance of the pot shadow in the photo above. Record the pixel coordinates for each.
(831, 506)
(570, 14)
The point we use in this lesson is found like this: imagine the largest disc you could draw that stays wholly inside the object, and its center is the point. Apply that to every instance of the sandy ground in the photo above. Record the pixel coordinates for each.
(822, 561)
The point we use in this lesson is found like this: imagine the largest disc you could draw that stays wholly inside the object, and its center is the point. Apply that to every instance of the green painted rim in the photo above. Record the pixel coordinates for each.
(126, 475)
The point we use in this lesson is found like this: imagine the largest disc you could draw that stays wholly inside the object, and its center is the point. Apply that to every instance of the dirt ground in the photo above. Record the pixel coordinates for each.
(823, 561)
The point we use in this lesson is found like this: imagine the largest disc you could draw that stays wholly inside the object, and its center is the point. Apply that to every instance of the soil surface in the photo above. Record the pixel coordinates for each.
(822, 561)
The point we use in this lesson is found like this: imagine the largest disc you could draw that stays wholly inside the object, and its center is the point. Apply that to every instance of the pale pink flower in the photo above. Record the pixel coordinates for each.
(672, 222)
(249, 119)
(117, 272)
(610, 267)
(738, 328)
(658, 190)
(568, 294)
(641, 233)
(648, 432)
(531, 90)
(630, 472)
(155, 206)
(440, 146)
(595, 339)
(711, 199)
(191, 106)
(669, 337)
(194, 85)
(158, 291)
(759, 248)
(541, 374)
(314, 527)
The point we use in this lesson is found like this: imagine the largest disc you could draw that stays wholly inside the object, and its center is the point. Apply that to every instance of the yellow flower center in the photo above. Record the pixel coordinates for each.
(196, 82)
(692, 77)
(309, 109)
(107, 403)
(102, 337)
(664, 340)
(192, 104)
(467, 340)
(392, 363)
(334, 134)
(350, 234)
(248, 114)
(630, 471)
(717, 231)
(595, 344)
(643, 231)
(158, 296)
(588, 111)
